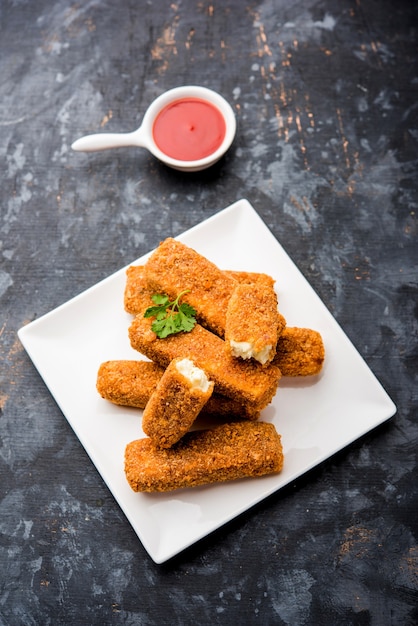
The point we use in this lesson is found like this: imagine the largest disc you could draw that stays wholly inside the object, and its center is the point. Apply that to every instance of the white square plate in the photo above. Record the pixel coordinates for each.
(316, 417)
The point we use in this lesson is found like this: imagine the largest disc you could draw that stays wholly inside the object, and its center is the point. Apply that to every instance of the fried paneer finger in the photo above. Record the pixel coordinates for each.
(243, 381)
(174, 267)
(299, 352)
(180, 395)
(128, 383)
(252, 322)
(250, 277)
(227, 452)
(136, 290)
(131, 383)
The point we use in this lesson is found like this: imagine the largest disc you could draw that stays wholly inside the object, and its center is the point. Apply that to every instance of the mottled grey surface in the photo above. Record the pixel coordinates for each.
(326, 97)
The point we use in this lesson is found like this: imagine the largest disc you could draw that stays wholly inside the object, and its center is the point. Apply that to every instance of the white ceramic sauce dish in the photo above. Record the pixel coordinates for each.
(144, 137)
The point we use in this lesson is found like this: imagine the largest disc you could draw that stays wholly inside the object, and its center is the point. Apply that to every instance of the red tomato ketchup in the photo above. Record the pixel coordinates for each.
(189, 129)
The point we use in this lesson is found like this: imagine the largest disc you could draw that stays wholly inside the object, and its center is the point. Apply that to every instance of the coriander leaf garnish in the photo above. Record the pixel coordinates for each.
(170, 317)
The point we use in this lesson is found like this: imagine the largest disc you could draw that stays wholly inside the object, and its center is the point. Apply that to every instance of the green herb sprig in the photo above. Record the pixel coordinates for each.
(171, 317)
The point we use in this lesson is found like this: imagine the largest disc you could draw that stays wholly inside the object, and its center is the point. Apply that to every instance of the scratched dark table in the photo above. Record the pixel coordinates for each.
(326, 99)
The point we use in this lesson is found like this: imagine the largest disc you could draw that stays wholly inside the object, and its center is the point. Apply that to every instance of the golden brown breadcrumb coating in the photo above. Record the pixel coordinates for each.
(250, 277)
(299, 352)
(227, 452)
(174, 267)
(130, 383)
(243, 381)
(137, 287)
(173, 406)
(251, 329)
(137, 295)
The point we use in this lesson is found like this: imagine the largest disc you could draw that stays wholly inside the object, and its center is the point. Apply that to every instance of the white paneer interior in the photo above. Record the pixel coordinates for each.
(195, 375)
(245, 350)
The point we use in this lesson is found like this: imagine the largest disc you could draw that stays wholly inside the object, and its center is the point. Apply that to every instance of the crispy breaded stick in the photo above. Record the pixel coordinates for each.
(180, 395)
(299, 352)
(251, 329)
(228, 452)
(130, 383)
(250, 277)
(136, 289)
(243, 381)
(174, 267)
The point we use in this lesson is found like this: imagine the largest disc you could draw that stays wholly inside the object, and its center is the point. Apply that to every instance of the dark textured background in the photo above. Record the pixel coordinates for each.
(326, 98)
